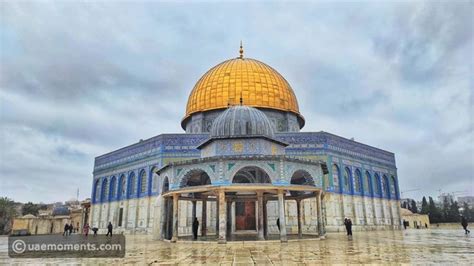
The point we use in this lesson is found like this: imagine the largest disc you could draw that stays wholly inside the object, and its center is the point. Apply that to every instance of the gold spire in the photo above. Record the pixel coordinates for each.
(241, 51)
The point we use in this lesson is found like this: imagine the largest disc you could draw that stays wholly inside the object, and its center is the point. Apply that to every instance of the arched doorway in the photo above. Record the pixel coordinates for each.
(303, 178)
(245, 210)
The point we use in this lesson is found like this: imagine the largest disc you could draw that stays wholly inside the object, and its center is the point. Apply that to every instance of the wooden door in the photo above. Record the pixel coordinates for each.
(245, 216)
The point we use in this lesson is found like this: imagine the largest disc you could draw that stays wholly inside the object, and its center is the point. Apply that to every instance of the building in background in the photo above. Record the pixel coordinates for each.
(469, 200)
(53, 219)
(445, 197)
(415, 220)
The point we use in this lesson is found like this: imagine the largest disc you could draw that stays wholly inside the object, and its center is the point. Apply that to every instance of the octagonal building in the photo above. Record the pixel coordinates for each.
(243, 169)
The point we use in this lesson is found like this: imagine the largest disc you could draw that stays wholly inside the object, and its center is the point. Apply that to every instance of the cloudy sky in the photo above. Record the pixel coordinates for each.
(81, 79)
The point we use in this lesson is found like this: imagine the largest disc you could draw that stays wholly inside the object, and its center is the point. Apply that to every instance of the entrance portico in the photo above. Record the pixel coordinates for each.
(244, 195)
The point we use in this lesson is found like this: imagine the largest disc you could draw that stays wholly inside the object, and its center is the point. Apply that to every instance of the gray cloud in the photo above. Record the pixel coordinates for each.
(81, 79)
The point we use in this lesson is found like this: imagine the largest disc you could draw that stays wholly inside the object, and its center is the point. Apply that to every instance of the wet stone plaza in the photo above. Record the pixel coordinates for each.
(410, 246)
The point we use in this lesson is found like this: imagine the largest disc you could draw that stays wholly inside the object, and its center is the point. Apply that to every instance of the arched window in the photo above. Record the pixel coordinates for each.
(301, 177)
(358, 182)
(385, 186)
(166, 185)
(154, 180)
(143, 182)
(251, 174)
(376, 184)
(104, 189)
(132, 185)
(335, 177)
(393, 187)
(113, 190)
(195, 177)
(96, 191)
(367, 184)
(347, 178)
(122, 188)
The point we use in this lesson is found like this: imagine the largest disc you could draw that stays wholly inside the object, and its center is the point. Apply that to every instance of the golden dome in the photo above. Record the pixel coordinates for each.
(258, 84)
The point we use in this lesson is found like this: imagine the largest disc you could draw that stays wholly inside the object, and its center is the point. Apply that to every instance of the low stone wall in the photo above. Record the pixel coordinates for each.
(446, 226)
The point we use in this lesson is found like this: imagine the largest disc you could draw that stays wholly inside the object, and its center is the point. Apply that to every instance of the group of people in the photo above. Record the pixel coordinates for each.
(68, 229)
(85, 230)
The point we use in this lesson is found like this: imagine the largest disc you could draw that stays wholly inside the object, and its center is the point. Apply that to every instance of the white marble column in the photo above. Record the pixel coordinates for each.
(390, 203)
(261, 235)
(320, 214)
(281, 210)
(374, 211)
(148, 212)
(157, 226)
(204, 217)
(229, 219)
(175, 218)
(222, 217)
(193, 212)
(300, 218)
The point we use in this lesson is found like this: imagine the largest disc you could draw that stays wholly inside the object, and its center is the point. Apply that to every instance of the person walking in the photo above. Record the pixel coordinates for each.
(348, 224)
(464, 224)
(345, 225)
(66, 229)
(195, 228)
(70, 229)
(109, 229)
(95, 229)
(85, 230)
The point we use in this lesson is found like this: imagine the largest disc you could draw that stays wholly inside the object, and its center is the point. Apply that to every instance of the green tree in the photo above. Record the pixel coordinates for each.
(30, 208)
(433, 211)
(453, 213)
(7, 213)
(413, 208)
(445, 210)
(424, 206)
